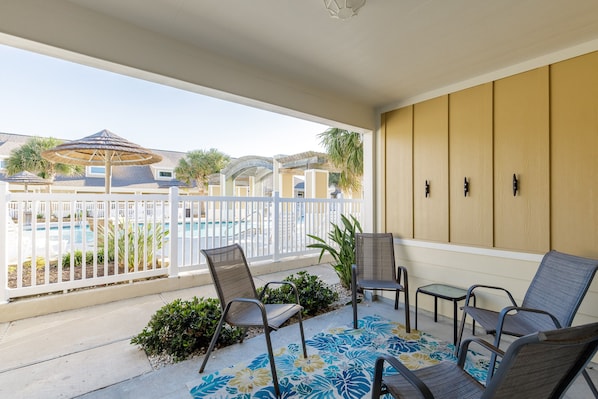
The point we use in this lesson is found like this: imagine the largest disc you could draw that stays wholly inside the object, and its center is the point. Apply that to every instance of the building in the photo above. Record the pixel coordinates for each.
(246, 176)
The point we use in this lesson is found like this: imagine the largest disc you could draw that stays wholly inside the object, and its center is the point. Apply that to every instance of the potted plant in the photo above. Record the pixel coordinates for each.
(342, 247)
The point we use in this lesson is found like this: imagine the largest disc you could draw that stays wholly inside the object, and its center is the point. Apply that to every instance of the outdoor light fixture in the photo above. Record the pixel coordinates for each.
(343, 9)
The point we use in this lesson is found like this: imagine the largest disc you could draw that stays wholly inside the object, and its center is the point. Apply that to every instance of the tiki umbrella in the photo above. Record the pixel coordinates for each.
(101, 149)
(26, 178)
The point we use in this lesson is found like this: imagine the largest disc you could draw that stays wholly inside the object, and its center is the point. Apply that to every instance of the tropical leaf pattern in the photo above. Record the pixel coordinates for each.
(340, 364)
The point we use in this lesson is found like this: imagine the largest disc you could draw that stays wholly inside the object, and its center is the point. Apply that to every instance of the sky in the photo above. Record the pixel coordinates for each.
(49, 97)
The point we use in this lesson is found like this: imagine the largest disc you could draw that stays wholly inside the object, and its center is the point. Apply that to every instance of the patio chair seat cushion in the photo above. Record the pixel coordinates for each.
(379, 285)
(444, 380)
(251, 316)
(517, 325)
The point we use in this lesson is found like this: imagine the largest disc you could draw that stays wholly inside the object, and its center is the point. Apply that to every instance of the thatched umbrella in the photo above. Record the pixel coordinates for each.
(101, 149)
(27, 178)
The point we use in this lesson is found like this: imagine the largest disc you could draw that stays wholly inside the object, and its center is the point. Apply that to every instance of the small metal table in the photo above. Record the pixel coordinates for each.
(449, 293)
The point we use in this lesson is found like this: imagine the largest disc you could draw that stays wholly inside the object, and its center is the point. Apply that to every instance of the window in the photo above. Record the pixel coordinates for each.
(95, 171)
(163, 174)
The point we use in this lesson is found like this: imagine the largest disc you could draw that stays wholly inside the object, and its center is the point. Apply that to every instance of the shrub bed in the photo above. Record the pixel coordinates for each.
(181, 329)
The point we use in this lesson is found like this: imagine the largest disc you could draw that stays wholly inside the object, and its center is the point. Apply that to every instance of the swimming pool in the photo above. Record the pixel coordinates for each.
(74, 233)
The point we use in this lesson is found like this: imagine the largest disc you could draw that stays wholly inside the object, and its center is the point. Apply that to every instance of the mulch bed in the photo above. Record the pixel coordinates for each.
(54, 273)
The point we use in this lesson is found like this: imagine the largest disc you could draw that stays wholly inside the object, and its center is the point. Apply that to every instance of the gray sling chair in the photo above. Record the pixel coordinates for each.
(541, 365)
(240, 303)
(374, 269)
(551, 300)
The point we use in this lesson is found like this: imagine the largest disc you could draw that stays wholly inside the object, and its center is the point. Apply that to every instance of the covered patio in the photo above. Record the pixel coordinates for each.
(387, 73)
(86, 353)
(497, 95)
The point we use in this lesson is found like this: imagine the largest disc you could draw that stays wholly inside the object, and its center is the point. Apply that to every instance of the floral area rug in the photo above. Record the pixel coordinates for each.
(340, 364)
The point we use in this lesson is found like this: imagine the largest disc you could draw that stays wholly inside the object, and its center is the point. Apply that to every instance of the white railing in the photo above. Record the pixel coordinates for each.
(59, 242)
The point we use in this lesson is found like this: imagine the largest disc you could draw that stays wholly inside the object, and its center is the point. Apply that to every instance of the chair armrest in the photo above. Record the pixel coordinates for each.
(293, 286)
(256, 302)
(464, 348)
(405, 372)
(505, 311)
(402, 271)
(249, 300)
(489, 287)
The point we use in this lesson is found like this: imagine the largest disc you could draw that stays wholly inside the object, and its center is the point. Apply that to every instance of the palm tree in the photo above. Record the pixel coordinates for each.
(198, 165)
(345, 152)
(28, 158)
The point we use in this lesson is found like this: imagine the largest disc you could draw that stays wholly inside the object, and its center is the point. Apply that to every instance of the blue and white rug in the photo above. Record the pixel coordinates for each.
(340, 364)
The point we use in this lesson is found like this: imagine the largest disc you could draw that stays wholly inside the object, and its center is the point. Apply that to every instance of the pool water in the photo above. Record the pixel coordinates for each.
(195, 229)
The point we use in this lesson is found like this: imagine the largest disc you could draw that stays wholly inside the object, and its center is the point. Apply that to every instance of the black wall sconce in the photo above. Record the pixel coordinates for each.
(515, 185)
(427, 189)
(465, 187)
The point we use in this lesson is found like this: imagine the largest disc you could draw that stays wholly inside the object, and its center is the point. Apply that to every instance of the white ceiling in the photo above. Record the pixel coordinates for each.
(289, 56)
(392, 51)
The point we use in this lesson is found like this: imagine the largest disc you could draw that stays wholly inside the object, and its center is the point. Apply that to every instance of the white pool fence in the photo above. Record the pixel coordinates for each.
(56, 242)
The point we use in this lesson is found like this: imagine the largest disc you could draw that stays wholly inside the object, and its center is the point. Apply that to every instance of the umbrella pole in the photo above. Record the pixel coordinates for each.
(108, 172)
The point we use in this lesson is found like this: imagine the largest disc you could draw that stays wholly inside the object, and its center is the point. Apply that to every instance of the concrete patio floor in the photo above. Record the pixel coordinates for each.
(86, 353)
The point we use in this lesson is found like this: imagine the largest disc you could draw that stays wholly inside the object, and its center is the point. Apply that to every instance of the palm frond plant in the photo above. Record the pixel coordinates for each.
(345, 151)
(341, 247)
(125, 237)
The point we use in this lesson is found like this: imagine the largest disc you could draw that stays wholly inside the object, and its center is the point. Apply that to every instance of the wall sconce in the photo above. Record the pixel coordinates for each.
(427, 189)
(515, 185)
(465, 187)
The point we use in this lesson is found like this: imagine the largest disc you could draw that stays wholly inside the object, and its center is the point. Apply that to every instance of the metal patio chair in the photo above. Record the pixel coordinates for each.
(374, 269)
(541, 365)
(241, 306)
(551, 301)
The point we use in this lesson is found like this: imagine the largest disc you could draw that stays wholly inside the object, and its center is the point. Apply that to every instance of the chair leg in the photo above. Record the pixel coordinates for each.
(407, 313)
(354, 296)
(590, 383)
(272, 363)
(212, 343)
(244, 330)
(354, 303)
(396, 299)
(460, 335)
(377, 383)
(492, 364)
(302, 335)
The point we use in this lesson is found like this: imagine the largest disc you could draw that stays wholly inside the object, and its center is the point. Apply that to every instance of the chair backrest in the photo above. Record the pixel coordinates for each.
(559, 286)
(231, 275)
(375, 256)
(544, 364)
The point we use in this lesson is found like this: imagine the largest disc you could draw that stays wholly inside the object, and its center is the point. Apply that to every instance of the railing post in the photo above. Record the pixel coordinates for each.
(276, 222)
(4, 297)
(173, 200)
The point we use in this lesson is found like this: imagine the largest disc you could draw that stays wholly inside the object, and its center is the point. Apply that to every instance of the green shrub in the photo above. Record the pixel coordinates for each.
(181, 328)
(78, 258)
(314, 295)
